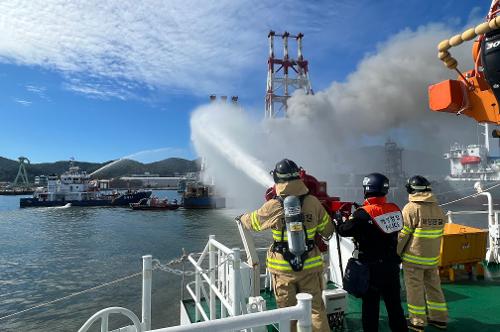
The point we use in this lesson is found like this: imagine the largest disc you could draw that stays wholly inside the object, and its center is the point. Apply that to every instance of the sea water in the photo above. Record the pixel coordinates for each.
(49, 253)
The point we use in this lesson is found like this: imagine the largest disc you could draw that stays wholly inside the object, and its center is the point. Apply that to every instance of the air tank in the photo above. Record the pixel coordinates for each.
(294, 225)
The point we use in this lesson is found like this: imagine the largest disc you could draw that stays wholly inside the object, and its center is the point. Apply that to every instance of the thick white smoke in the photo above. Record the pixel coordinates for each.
(386, 96)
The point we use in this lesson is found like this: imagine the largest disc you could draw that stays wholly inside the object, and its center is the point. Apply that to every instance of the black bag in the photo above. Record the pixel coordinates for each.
(356, 277)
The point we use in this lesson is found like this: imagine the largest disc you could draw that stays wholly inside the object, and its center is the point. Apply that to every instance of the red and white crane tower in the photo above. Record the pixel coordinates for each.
(295, 75)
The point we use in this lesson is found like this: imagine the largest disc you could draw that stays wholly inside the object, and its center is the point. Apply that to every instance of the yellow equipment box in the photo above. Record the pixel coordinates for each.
(462, 244)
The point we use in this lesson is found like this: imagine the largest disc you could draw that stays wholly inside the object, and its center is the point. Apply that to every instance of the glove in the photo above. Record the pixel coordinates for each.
(337, 217)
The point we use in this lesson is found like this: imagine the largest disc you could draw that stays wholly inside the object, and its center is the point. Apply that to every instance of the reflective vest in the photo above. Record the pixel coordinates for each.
(386, 216)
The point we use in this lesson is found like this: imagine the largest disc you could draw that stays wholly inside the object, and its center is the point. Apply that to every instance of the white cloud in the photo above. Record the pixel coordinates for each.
(22, 102)
(39, 91)
(196, 46)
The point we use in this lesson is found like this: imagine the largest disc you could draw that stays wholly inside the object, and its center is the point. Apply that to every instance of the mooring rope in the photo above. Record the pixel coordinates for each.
(468, 196)
(72, 295)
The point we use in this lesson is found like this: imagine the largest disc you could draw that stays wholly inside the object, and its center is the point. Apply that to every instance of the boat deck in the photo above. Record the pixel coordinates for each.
(472, 305)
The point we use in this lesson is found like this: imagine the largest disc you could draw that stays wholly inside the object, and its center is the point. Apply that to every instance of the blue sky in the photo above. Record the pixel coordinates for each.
(101, 80)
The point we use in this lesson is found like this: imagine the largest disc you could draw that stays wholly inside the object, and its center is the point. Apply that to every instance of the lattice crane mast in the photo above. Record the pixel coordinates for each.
(285, 75)
(22, 175)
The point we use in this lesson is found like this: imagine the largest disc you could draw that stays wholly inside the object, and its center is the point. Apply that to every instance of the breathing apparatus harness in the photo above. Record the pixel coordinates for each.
(297, 246)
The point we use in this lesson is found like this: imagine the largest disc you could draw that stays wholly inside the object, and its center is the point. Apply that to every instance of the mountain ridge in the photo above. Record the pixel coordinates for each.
(123, 167)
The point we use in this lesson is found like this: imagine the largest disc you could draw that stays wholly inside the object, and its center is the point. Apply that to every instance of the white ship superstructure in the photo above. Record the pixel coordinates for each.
(475, 162)
(75, 186)
(72, 185)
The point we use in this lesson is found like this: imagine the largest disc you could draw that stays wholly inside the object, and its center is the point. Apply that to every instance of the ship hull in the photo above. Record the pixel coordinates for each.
(33, 202)
(154, 208)
(16, 192)
(127, 198)
(204, 202)
(122, 200)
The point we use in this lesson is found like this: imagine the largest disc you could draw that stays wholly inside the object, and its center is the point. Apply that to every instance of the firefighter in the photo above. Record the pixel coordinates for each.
(419, 245)
(292, 274)
(374, 227)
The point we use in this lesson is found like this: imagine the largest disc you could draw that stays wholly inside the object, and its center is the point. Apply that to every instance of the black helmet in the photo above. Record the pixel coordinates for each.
(375, 184)
(417, 183)
(285, 170)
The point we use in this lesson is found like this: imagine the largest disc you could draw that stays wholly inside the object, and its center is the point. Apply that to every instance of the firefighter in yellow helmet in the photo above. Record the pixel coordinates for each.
(419, 244)
(293, 259)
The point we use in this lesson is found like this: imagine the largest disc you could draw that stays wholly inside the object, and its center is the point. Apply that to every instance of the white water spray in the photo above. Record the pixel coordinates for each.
(106, 166)
(146, 155)
(203, 127)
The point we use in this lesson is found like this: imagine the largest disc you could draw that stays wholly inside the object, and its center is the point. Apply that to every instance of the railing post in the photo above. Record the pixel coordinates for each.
(450, 219)
(304, 324)
(490, 207)
(285, 325)
(235, 289)
(252, 257)
(197, 285)
(212, 266)
(147, 279)
(105, 323)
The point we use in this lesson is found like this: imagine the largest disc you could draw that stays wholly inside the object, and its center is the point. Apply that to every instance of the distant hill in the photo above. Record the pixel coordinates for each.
(8, 169)
(173, 165)
(166, 167)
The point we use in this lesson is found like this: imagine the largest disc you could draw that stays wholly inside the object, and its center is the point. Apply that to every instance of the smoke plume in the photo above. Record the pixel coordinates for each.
(386, 96)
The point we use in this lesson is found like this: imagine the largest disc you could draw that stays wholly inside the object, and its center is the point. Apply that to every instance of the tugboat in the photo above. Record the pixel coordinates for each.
(154, 203)
(75, 187)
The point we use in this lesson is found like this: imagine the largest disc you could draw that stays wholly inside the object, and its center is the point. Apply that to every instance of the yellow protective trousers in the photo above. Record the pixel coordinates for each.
(287, 286)
(424, 295)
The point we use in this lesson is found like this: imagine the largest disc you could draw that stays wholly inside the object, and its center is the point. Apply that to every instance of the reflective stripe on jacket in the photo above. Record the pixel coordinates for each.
(419, 241)
(270, 216)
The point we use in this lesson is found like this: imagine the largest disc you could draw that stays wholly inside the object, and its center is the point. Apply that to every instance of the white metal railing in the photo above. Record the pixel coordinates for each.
(222, 278)
(300, 312)
(145, 325)
(103, 315)
(224, 281)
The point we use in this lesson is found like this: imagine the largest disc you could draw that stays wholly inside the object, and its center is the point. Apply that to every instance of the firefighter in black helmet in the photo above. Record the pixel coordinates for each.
(419, 246)
(374, 227)
(294, 272)
(285, 170)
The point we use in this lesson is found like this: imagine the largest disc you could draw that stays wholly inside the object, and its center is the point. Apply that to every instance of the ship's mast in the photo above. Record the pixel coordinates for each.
(295, 75)
(491, 143)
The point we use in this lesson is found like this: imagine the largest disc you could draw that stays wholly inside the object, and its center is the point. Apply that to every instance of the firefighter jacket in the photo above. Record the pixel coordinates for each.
(420, 240)
(374, 227)
(271, 216)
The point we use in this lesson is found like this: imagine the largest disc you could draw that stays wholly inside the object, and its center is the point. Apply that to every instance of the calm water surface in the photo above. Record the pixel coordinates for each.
(48, 253)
